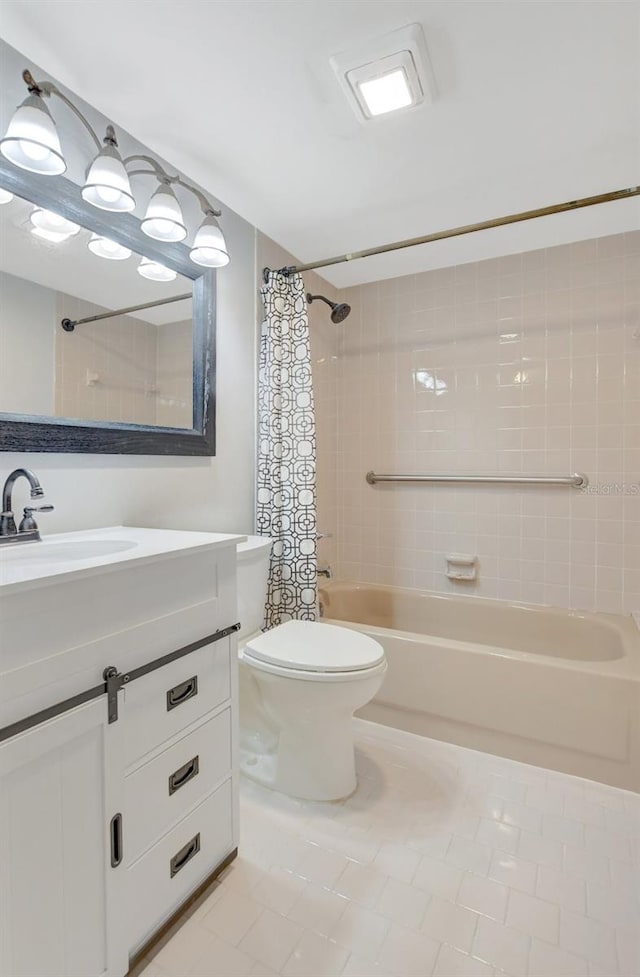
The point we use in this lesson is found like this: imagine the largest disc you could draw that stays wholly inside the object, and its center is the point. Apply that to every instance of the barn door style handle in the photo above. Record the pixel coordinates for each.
(181, 693)
(115, 833)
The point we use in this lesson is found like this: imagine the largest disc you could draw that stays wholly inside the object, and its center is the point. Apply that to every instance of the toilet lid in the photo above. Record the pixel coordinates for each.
(314, 647)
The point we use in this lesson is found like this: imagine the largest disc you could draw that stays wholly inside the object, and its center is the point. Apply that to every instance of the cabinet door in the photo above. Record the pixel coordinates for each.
(60, 898)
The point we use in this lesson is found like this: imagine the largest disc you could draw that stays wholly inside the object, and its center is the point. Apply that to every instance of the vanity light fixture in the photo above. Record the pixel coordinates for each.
(5, 196)
(104, 247)
(32, 143)
(155, 271)
(51, 226)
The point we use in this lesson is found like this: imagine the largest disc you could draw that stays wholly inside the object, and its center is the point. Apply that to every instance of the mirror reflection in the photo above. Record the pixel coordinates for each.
(131, 362)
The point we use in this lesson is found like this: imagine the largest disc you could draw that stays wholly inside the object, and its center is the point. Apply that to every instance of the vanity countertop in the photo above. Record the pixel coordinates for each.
(67, 555)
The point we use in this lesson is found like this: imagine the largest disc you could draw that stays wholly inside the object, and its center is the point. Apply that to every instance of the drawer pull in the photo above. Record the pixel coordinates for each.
(181, 693)
(184, 774)
(185, 855)
(115, 832)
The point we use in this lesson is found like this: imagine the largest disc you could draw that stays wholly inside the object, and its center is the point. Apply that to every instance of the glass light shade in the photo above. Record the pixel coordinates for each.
(107, 184)
(52, 226)
(209, 246)
(104, 247)
(163, 220)
(5, 196)
(32, 141)
(155, 271)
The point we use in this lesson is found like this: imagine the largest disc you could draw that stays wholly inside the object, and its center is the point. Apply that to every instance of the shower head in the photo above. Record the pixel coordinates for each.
(339, 310)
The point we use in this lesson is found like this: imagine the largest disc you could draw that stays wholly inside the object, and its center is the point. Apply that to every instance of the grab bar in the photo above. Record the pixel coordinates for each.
(577, 480)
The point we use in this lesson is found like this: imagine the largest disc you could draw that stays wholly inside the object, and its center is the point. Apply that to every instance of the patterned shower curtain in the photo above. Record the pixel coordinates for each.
(286, 497)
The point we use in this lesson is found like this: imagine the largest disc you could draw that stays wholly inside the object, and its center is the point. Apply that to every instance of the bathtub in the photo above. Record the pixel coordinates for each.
(556, 688)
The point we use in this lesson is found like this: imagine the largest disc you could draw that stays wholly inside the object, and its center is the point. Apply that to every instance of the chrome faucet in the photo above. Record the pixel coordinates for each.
(325, 572)
(27, 531)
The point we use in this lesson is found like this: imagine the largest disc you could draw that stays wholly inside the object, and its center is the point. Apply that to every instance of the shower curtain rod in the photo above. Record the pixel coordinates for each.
(70, 324)
(525, 215)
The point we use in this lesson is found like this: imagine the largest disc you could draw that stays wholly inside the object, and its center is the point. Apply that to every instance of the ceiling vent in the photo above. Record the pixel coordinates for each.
(390, 74)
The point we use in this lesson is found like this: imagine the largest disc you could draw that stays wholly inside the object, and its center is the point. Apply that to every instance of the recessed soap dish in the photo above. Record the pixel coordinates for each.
(461, 566)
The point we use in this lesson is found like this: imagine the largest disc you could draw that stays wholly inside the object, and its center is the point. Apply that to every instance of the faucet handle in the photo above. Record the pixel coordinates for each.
(28, 523)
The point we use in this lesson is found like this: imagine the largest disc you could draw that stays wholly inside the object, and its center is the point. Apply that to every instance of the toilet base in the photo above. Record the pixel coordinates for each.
(303, 767)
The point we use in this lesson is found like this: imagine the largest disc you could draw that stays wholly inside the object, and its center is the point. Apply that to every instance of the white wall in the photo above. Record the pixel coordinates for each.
(181, 493)
(27, 328)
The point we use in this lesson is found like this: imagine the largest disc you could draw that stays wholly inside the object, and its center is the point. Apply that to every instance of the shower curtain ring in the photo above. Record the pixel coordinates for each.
(265, 275)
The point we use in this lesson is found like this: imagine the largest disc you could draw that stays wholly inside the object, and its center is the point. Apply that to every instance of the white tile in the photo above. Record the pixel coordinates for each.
(447, 922)
(183, 950)
(561, 889)
(438, 877)
(546, 959)
(321, 866)
(522, 816)
(279, 890)
(498, 834)
(361, 931)
(542, 851)
(318, 909)
(471, 856)
(588, 938)
(397, 861)
(516, 872)
(403, 903)
(407, 953)
(220, 957)
(361, 967)
(315, 956)
(453, 963)
(502, 947)
(533, 916)
(271, 939)
(483, 896)
(232, 916)
(361, 883)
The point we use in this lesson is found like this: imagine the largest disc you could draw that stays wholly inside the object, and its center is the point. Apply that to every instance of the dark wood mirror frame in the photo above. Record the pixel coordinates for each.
(30, 432)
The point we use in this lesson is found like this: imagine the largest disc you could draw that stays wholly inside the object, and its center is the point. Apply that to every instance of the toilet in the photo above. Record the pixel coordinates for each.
(300, 684)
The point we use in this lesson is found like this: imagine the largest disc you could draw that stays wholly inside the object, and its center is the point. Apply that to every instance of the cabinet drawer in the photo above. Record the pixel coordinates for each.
(164, 702)
(162, 791)
(165, 875)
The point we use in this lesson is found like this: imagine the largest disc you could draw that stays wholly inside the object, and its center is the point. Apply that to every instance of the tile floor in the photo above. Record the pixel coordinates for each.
(445, 862)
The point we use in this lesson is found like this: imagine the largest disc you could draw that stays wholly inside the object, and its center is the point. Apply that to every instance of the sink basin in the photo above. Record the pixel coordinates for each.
(81, 549)
(82, 554)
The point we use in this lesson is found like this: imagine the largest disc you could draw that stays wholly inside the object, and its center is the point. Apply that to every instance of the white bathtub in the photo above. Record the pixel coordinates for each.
(556, 688)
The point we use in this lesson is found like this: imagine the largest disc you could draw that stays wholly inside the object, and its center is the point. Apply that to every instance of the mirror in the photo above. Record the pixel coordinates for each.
(94, 354)
(115, 365)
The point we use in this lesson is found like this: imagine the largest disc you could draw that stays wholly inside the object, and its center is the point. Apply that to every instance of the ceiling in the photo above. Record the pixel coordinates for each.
(537, 103)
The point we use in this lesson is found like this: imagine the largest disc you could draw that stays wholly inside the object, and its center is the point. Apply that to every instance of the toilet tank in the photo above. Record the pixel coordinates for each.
(253, 573)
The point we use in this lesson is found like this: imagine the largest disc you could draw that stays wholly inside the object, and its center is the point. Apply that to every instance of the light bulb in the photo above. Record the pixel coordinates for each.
(155, 271)
(104, 247)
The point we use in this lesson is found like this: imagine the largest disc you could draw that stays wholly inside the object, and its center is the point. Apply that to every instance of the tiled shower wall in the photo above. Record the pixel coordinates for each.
(524, 364)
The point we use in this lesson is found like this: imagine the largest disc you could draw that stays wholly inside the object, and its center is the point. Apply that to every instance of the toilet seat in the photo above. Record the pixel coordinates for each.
(309, 648)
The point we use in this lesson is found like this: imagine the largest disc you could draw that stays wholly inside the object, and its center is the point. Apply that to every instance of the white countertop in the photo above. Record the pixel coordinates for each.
(62, 555)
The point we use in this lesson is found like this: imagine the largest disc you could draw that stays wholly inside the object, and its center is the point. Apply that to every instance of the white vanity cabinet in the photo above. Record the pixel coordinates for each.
(62, 903)
(118, 799)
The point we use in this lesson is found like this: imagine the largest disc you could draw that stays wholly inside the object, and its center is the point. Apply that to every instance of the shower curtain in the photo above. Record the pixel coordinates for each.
(286, 491)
